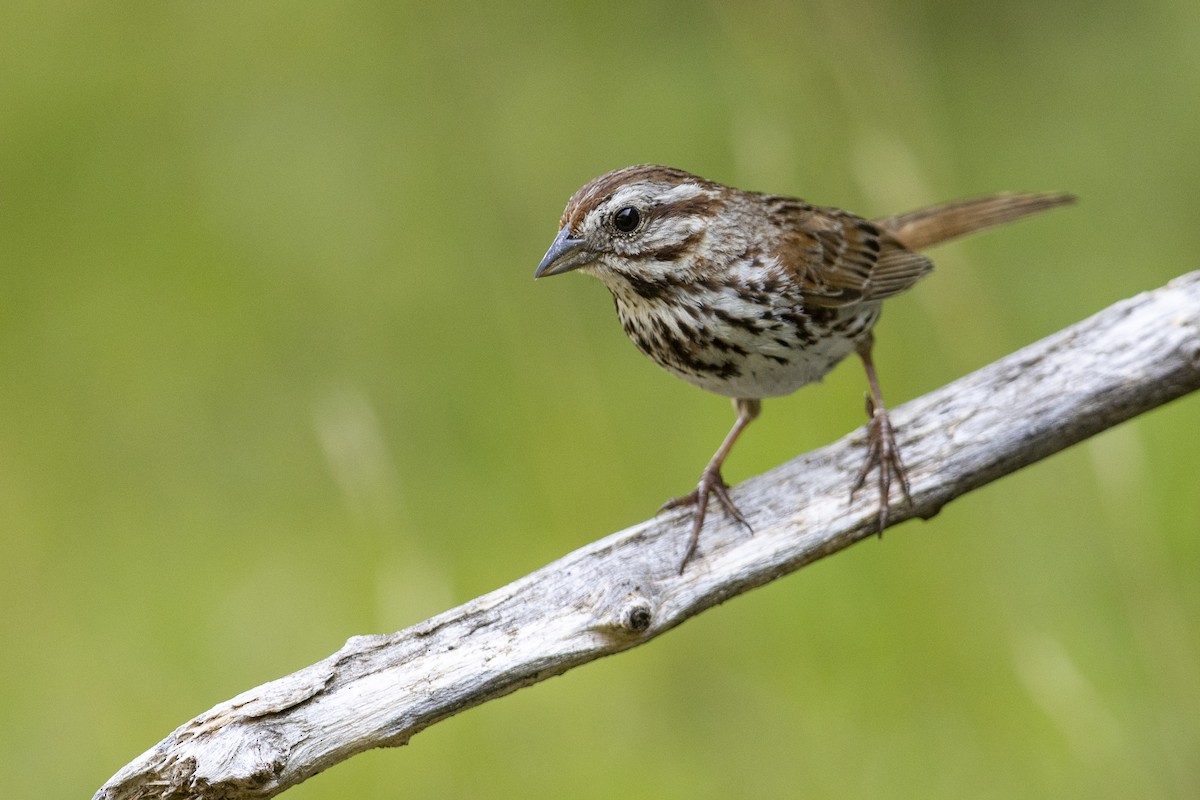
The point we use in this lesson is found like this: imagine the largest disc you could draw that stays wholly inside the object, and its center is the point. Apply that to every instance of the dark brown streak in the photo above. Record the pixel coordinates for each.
(698, 206)
(726, 369)
(749, 295)
(673, 252)
(801, 325)
(788, 206)
(684, 357)
(648, 288)
(727, 346)
(747, 325)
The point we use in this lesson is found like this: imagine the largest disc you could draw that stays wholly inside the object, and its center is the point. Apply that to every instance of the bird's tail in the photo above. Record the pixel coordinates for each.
(919, 229)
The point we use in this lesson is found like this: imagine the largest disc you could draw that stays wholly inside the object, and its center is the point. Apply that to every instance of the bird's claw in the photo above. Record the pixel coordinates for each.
(882, 452)
(711, 483)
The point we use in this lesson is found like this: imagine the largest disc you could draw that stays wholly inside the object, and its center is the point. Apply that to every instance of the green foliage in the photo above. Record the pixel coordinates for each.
(275, 372)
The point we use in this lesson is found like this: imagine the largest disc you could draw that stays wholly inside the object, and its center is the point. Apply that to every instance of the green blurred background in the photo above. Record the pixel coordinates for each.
(275, 372)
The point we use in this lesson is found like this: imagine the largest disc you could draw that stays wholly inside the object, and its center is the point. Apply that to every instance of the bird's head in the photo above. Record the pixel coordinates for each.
(645, 220)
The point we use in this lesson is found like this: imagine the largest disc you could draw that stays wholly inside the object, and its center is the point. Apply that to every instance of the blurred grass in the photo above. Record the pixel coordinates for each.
(275, 373)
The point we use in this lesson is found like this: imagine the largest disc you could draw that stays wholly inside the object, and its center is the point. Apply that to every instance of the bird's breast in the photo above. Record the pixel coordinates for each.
(743, 340)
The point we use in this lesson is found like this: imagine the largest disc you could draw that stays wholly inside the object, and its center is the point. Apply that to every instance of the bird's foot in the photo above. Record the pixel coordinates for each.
(711, 483)
(883, 453)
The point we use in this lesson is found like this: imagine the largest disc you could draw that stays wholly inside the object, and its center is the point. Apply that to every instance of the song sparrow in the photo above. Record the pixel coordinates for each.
(754, 295)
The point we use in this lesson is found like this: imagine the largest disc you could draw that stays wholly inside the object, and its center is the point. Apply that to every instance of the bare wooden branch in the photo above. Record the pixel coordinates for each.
(624, 590)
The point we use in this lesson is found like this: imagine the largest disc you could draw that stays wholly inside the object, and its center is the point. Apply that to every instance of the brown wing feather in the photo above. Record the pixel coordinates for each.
(839, 258)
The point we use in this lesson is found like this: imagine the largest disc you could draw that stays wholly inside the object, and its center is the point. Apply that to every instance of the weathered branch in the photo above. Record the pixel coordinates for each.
(625, 589)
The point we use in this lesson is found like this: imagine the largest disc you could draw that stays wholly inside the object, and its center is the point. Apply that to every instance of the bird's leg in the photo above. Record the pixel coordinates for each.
(711, 481)
(881, 442)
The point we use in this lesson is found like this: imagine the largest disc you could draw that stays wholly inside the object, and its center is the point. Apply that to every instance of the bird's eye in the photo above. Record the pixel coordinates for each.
(627, 219)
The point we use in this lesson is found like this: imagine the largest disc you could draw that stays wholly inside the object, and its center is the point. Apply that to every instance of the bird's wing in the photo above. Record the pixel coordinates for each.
(839, 259)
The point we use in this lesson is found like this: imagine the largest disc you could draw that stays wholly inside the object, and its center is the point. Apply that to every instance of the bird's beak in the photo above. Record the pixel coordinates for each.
(567, 253)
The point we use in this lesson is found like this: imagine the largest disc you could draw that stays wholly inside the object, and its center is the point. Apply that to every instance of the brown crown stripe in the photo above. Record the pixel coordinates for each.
(593, 194)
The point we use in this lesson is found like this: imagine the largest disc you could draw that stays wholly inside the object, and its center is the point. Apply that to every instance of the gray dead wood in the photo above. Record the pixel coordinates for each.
(624, 590)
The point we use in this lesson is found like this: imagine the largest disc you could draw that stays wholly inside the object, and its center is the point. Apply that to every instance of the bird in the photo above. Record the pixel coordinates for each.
(752, 295)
